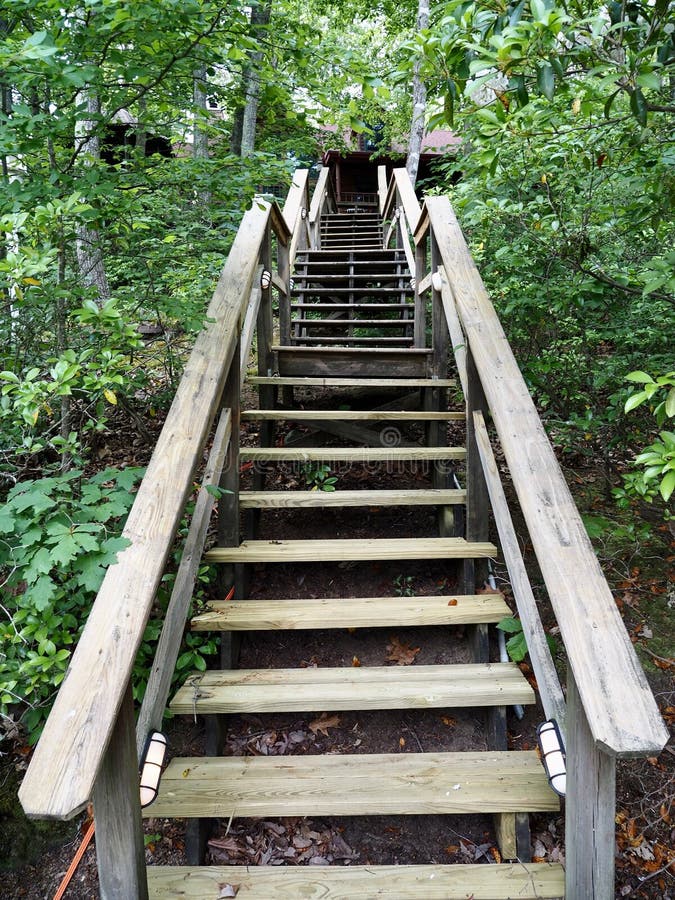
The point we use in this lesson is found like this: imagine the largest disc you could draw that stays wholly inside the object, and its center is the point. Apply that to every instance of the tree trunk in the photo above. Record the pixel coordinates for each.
(419, 98)
(88, 243)
(260, 17)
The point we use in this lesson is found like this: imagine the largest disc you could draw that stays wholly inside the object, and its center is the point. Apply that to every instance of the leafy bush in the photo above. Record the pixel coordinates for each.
(57, 536)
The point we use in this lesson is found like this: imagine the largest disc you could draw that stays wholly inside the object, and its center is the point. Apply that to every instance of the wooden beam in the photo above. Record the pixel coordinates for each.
(382, 187)
(457, 339)
(120, 849)
(537, 881)
(61, 775)
(425, 283)
(369, 687)
(305, 499)
(353, 785)
(352, 550)
(619, 705)
(552, 697)
(590, 808)
(356, 415)
(406, 192)
(349, 612)
(351, 454)
(354, 382)
(168, 646)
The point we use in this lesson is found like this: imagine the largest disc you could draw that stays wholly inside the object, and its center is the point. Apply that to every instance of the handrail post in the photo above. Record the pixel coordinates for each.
(120, 849)
(420, 325)
(590, 808)
(477, 500)
(284, 269)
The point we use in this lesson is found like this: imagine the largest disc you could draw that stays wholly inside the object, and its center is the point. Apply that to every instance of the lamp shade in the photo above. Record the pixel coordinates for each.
(553, 755)
(152, 766)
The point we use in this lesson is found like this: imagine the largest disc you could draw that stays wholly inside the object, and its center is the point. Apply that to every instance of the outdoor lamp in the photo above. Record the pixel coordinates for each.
(152, 765)
(437, 281)
(303, 213)
(265, 279)
(553, 755)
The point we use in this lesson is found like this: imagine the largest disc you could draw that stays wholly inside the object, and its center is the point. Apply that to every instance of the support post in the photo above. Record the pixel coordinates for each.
(590, 808)
(120, 850)
(419, 331)
(284, 270)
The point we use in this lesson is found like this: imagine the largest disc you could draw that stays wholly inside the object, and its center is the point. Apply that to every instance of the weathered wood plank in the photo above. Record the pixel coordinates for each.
(381, 187)
(292, 499)
(386, 687)
(351, 454)
(590, 807)
(408, 199)
(117, 813)
(61, 775)
(295, 201)
(621, 710)
(378, 784)
(457, 339)
(350, 612)
(351, 549)
(498, 882)
(353, 362)
(168, 646)
(354, 382)
(552, 697)
(356, 415)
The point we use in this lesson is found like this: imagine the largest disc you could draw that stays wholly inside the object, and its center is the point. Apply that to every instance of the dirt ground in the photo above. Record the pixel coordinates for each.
(645, 833)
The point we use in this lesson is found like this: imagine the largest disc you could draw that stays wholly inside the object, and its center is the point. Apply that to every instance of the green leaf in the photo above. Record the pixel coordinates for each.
(638, 106)
(670, 403)
(510, 625)
(42, 592)
(65, 550)
(667, 486)
(639, 378)
(635, 400)
(516, 647)
(546, 80)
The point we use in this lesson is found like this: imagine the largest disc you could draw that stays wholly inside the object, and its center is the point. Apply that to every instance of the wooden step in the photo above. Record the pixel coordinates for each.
(348, 415)
(351, 549)
(363, 362)
(349, 340)
(351, 612)
(355, 307)
(351, 323)
(398, 383)
(353, 785)
(356, 290)
(352, 688)
(351, 454)
(374, 498)
(505, 881)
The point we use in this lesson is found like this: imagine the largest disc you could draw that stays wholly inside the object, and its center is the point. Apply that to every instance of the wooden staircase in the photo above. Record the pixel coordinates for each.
(352, 375)
(337, 288)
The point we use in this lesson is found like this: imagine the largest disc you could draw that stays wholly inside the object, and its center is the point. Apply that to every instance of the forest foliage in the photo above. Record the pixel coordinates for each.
(122, 185)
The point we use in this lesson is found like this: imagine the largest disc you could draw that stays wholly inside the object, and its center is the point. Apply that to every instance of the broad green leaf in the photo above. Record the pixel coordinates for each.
(546, 80)
(510, 625)
(517, 647)
(638, 106)
(640, 377)
(634, 401)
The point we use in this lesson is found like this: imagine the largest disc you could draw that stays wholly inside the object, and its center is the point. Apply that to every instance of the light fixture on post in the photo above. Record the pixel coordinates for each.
(437, 281)
(265, 279)
(303, 213)
(553, 755)
(152, 766)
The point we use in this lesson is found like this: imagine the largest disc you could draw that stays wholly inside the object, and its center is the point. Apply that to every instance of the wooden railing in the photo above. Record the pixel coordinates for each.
(610, 711)
(89, 746)
(323, 201)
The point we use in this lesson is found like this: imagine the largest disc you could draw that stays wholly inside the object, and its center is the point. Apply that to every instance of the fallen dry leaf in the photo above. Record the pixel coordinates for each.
(227, 890)
(400, 653)
(489, 590)
(449, 721)
(452, 602)
(356, 662)
(323, 723)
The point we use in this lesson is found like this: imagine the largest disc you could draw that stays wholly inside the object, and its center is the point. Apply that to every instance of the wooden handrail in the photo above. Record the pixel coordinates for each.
(382, 187)
(618, 703)
(407, 198)
(296, 201)
(319, 195)
(68, 757)
(552, 698)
